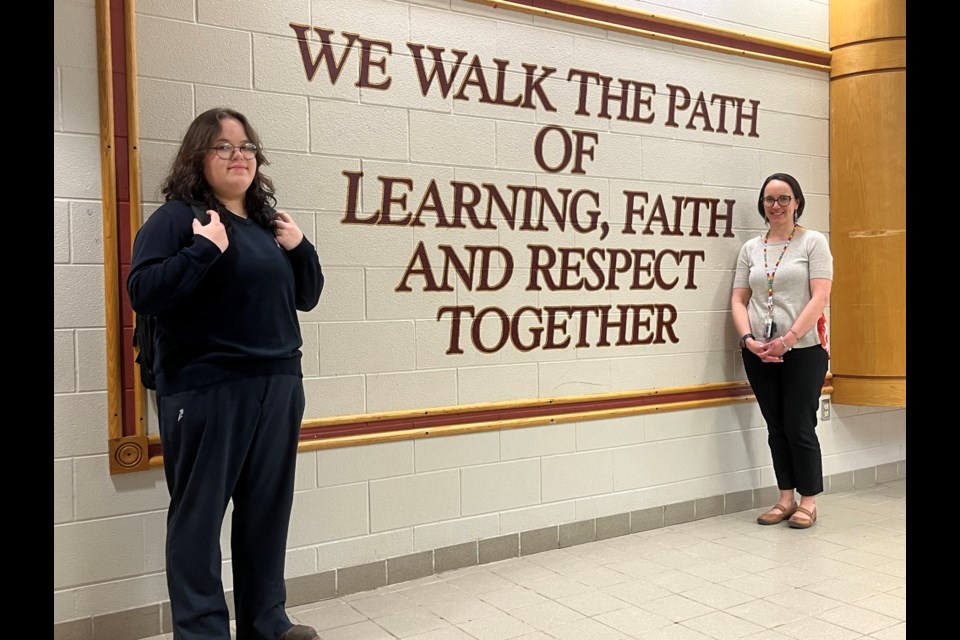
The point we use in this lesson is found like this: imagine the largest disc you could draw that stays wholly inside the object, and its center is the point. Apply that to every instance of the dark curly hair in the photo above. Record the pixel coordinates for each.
(186, 180)
(794, 185)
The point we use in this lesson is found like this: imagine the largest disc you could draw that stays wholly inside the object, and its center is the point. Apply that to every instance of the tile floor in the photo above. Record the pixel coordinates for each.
(724, 577)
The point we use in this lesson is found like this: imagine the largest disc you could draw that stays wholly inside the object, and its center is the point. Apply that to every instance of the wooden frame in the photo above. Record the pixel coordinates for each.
(132, 449)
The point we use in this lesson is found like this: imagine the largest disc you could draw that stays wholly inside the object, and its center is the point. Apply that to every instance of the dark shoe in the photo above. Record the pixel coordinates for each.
(803, 523)
(300, 632)
(777, 514)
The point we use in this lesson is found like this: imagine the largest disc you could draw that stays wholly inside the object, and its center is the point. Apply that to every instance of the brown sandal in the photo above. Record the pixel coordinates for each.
(777, 514)
(805, 523)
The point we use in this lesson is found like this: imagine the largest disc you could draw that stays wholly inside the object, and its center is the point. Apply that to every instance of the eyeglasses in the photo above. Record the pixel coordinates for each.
(225, 150)
(768, 201)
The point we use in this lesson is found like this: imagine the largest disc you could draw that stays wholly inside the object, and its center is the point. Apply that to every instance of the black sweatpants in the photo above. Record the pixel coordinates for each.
(788, 394)
(232, 440)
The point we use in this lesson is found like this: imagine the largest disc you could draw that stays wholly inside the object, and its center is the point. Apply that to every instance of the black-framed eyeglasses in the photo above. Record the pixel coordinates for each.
(225, 150)
(783, 200)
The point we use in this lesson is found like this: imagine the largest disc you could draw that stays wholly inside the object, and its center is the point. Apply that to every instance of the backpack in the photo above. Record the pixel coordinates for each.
(145, 328)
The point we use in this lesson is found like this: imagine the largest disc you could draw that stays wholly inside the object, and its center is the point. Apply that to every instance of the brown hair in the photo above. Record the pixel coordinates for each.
(186, 180)
(794, 186)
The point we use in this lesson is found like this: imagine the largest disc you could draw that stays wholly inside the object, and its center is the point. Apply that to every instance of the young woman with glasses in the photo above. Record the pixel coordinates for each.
(225, 292)
(780, 289)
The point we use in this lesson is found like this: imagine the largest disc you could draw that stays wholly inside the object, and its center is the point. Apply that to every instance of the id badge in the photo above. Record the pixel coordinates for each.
(769, 328)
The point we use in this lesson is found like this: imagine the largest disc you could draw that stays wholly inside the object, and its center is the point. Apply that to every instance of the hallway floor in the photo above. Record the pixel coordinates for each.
(722, 578)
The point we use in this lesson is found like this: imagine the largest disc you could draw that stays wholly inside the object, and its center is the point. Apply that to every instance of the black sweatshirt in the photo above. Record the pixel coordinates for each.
(220, 316)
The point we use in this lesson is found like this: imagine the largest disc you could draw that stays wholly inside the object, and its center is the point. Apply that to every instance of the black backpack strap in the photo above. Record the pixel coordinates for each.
(200, 212)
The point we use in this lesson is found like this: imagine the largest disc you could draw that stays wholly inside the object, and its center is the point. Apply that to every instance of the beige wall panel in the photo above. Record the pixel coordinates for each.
(196, 45)
(171, 122)
(576, 475)
(574, 378)
(111, 596)
(664, 160)
(681, 369)
(496, 383)
(180, 9)
(279, 68)
(385, 303)
(442, 139)
(725, 166)
(356, 464)
(81, 112)
(308, 182)
(357, 551)
(155, 541)
(74, 35)
(79, 424)
(310, 360)
(73, 286)
(608, 434)
(851, 433)
(411, 390)
(334, 396)
(433, 454)
(254, 16)
(76, 163)
(444, 534)
(499, 487)
(533, 442)
(99, 494)
(61, 232)
(719, 332)
(97, 550)
(433, 339)
(306, 473)
(86, 233)
(531, 518)
(375, 19)
(57, 103)
(343, 291)
(544, 47)
(63, 488)
(64, 362)
(894, 427)
(281, 121)
(699, 422)
(367, 131)
(350, 347)
(382, 246)
(688, 327)
(684, 459)
(797, 134)
(454, 30)
(412, 500)
(841, 462)
(302, 562)
(92, 359)
(329, 513)
(156, 159)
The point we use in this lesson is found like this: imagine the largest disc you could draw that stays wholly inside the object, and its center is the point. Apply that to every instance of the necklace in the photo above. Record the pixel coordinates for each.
(772, 274)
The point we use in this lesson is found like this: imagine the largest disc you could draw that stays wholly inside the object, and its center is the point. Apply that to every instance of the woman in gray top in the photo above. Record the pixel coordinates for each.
(780, 289)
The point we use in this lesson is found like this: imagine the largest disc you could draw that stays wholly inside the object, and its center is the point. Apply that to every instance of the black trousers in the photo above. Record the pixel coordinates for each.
(236, 440)
(788, 394)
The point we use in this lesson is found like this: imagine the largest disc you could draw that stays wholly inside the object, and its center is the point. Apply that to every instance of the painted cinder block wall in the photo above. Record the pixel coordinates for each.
(359, 504)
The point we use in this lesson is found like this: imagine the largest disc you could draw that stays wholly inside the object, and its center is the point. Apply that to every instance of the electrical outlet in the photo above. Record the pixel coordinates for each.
(825, 409)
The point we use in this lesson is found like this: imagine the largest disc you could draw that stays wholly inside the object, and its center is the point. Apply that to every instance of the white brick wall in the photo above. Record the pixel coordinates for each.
(368, 348)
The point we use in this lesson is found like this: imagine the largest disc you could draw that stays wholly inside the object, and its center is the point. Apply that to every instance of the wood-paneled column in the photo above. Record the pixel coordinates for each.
(868, 201)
